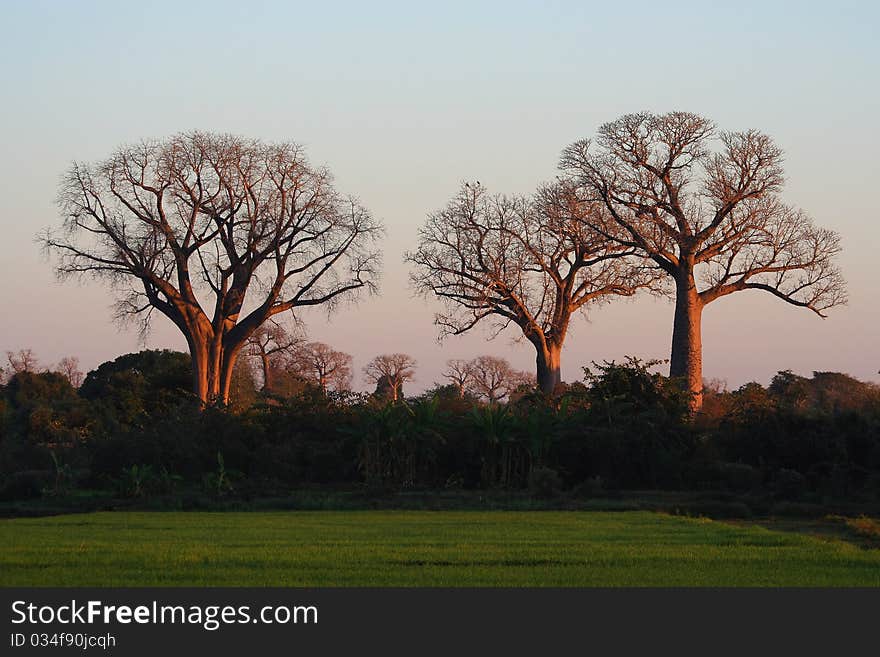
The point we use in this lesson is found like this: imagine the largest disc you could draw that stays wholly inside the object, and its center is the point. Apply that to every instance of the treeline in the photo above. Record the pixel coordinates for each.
(133, 429)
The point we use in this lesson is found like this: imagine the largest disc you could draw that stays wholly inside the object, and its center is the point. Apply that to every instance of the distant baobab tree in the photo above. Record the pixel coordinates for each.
(459, 373)
(321, 364)
(713, 221)
(69, 367)
(269, 344)
(23, 360)
(218, 233)
(494, 379)
(389, 372)
(525, 261)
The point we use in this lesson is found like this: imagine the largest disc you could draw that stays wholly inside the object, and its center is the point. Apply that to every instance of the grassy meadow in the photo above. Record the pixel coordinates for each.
(424, 548)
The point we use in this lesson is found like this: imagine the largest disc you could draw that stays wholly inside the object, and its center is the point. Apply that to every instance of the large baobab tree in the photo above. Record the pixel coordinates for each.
(217, 233)
(525, 261)
(321, 364)
(494, 378)
(705, 207)
(389, 372)
(270, 344)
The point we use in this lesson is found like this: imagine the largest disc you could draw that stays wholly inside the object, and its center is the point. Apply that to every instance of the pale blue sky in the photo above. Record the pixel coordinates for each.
(405, 100)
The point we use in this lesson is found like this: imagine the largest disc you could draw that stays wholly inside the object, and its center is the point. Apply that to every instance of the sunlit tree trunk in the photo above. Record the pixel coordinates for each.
(548, 363)
(686, 362)
(213, 362)
(227, 370)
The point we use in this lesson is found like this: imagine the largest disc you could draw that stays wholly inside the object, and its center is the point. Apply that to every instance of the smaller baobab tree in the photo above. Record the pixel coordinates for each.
(705, 207)
(23, 360)
(270, 344)
(321, 364)
(495, 379)
(389, 372)
(243, 390)
(459, 372)
(523, 261)
(69, 367)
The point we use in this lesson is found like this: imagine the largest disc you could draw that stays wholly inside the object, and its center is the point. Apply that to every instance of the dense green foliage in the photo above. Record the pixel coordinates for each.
(419, 549)
(133, 429)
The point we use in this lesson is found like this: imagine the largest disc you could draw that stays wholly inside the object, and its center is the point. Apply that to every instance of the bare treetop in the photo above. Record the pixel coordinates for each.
(494, 379)
(459, 373)
(218, 233)
(681, 202)
(69, 367)
(323, 365)
(23, 360)
(270, 344)
(391, 371)
(504, 257)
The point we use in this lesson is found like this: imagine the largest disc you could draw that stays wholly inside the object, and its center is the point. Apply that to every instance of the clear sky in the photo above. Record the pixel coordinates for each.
(405, 100)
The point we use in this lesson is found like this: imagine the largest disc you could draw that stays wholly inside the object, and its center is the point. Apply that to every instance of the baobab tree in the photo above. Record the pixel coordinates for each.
(523, 261)
(459, 373)
(269, 344)
(321, 364)
(69, 367)
(494, 378)
(217, 233)
(711, 220)
(23, 360)
(389, 372)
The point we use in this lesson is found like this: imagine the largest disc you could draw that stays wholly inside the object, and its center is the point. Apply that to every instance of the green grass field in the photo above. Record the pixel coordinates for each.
(403, 548)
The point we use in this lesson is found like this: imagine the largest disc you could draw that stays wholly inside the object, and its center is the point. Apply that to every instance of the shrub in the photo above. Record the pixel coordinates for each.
(790, 484)
(25, 485)
(798, 510)
(739, 477)
(590, 487)
(544, 482)
(717, 509)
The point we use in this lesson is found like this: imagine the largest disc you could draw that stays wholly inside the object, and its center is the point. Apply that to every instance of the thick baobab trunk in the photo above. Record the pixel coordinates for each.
(227, 371)
(212, 374)
(212, 366)
(686, 362)
(202, 373)
(549, 373)
(206, 378)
